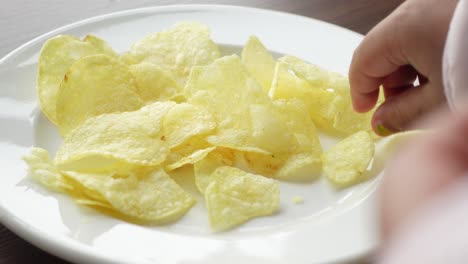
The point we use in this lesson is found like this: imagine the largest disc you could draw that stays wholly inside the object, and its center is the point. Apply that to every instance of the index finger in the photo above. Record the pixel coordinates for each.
(378, 55)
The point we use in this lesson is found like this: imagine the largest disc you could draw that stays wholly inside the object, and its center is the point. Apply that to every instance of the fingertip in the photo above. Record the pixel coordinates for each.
(364, 102)
(364, 90)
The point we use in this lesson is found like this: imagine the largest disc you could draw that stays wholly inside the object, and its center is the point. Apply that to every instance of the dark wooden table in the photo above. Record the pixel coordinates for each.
(22, 20)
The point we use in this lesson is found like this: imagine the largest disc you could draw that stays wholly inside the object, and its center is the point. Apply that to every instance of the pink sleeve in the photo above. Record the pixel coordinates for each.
(455, 61)
(436, 234)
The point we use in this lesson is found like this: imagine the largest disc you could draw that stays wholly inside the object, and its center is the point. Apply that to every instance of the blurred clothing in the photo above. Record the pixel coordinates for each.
(455, 61)
(438, 233)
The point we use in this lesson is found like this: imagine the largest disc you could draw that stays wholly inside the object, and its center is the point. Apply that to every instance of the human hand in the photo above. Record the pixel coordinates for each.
(407, 44)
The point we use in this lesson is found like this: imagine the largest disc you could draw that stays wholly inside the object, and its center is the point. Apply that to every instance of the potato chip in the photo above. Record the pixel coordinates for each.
(185, 150)
(205, 167)
(346, 163)
(234, 197)
(293, 113)
(177, 49)
(42, 169)
(92, 203)
(246, 117)
(193, 158)
(95, 85)
(314, 75)
(346, 120)
(288, 85)
(259, 62)
(152, 197)
(326, 94)
(118, 140)
(303, 160)
(155, 83)
(57, 55)
(185, 121)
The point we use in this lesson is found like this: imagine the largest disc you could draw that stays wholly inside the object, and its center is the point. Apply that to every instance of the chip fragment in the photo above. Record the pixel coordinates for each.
(302, 162)
(185, 121)
(43, 170)
(346, 163)
(234, 197)
(259, 62)
(204, 168)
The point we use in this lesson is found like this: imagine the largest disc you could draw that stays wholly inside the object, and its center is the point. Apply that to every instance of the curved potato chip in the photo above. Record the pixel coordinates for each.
(57, 55)
(177, 49)
(185, 121)
(346, 121)
(346, 163)
(325, 93)
(245, 116)
(152, 197)
(303, 160)
(259, 62)
(117, 140)
(95, 85)
(289, 85)
(234, 197)
(43, 170)
(154, 83)
(194, 157)
(313, 74)
(205, 167)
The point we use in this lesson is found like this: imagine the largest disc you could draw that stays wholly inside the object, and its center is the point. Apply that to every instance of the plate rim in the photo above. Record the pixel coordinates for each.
(67, 248)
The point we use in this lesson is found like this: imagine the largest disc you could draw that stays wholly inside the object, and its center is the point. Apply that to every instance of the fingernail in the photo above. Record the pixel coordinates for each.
(383, 131)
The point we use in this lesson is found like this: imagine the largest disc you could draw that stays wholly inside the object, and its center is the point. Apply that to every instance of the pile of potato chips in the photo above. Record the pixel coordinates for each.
(129, 120)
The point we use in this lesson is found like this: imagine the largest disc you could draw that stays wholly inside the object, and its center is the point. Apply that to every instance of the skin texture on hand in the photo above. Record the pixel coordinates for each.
(408, 44)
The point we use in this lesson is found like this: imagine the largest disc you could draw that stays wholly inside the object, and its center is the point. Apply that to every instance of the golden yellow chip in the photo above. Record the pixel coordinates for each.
(177, 49)
(151, 198)
(346, 163)
(246, 117)
(259, 62)
(155, 83)
(42, 169)
(205, 167)
(118, 140)
(95, 85)
(57, 55)
(234, 197)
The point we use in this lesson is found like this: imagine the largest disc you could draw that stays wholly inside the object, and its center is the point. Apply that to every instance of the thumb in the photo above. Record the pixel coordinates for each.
(399, 112)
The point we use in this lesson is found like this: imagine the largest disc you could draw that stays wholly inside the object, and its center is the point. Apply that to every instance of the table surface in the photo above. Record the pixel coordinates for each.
(22, 20)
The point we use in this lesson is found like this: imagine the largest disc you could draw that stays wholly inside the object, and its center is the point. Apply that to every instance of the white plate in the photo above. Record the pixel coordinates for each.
(330, 225)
